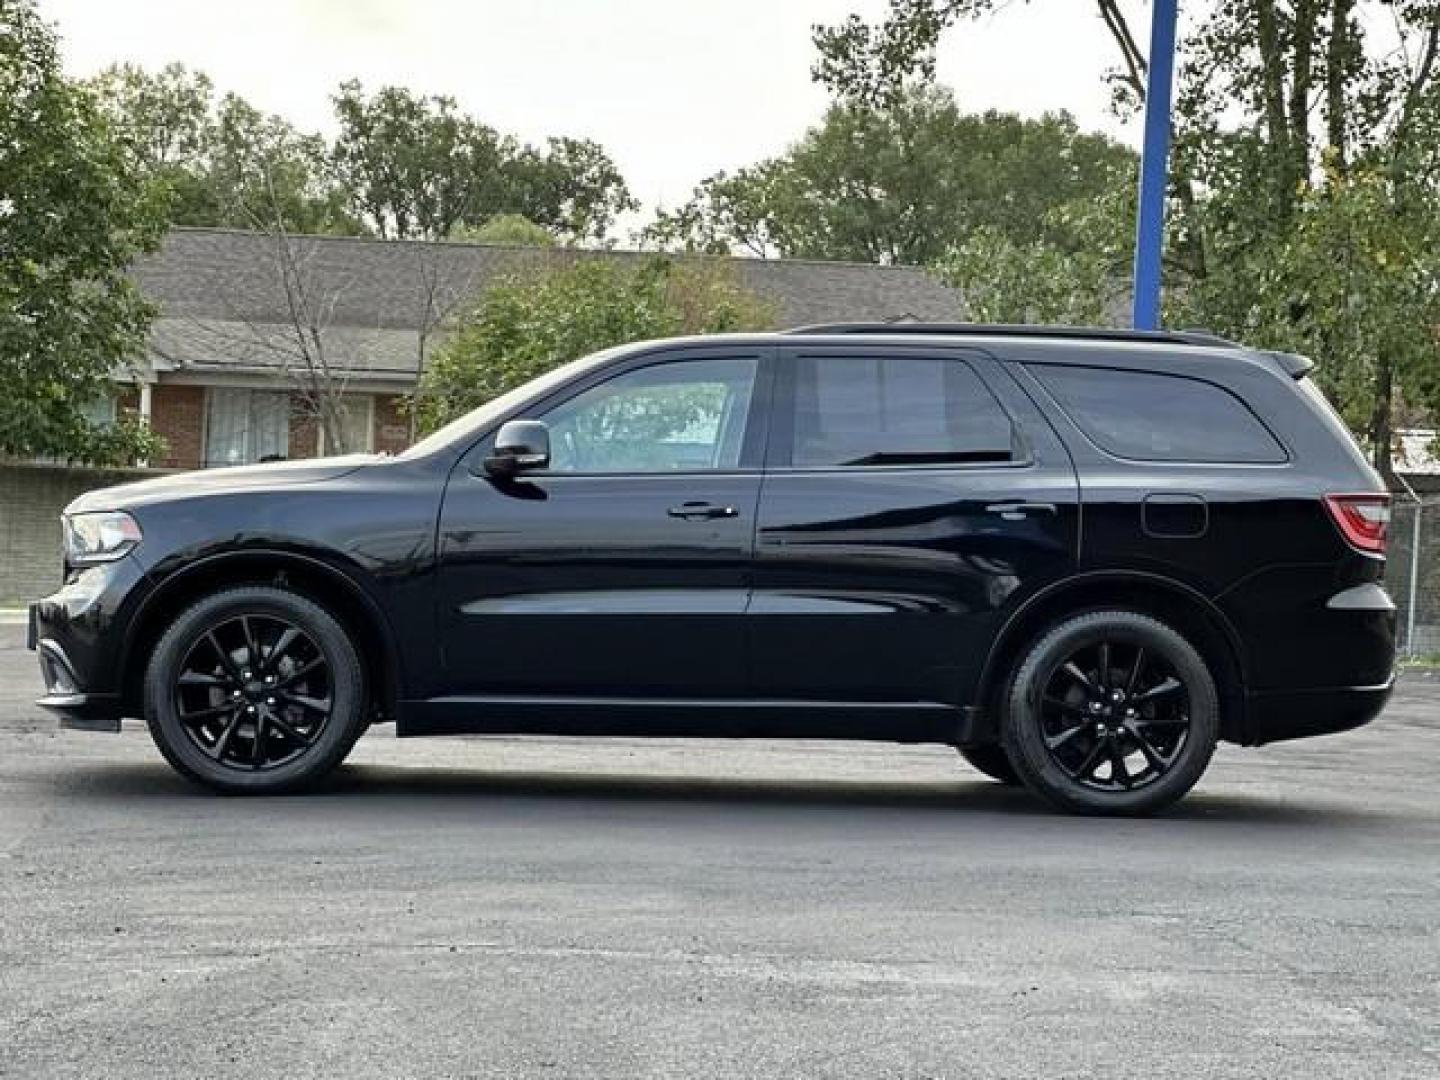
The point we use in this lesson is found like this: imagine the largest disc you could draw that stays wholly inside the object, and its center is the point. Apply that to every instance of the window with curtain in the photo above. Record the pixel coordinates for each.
(356, 424)
(245, 426)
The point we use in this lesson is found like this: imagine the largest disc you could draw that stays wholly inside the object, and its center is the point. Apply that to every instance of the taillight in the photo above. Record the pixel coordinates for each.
(1363, 519)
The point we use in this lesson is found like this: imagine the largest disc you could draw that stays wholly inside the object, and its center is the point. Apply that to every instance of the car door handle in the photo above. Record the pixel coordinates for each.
(1017, 511)
(702, 511)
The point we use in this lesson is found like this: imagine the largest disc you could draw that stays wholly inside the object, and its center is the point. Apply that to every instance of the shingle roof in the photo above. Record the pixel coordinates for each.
(223, 302)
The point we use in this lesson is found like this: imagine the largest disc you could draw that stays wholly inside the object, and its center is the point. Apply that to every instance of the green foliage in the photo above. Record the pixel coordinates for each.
(506, 230)
(221, 161)
(899, 184)
(418, 168)
(74, 212)
(1304, 200)
(1071, 275)
(525, 326)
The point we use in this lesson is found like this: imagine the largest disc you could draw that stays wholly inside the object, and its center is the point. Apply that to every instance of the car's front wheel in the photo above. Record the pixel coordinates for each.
(255, 689)
(1111, 712)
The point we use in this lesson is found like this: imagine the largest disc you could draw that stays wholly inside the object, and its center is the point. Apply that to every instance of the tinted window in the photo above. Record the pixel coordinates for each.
(666, 417)
(861, 410)
(1153, 417)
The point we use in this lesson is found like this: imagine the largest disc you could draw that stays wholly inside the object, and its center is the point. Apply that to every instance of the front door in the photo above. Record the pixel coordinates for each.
(623, 569)
(913, 497)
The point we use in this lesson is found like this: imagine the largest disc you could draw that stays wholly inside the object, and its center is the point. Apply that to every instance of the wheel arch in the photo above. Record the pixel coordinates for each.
(306, 574)
(1173, 602)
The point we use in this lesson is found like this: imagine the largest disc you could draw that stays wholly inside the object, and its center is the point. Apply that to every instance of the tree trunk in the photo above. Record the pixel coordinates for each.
(1382, 419)
(1336, 60)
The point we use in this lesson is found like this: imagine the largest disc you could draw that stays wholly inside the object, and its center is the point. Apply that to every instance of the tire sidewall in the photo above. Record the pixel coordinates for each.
(1024, 741)
(343, 727)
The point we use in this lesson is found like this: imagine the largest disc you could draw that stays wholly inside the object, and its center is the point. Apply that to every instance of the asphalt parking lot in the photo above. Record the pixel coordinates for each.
(614, 908)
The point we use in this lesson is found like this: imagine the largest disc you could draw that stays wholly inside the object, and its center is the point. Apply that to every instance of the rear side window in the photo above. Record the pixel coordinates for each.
(866, 410)
(1152, 417)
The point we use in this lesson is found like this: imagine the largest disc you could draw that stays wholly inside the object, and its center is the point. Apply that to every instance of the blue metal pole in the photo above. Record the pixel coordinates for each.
(1150, 219)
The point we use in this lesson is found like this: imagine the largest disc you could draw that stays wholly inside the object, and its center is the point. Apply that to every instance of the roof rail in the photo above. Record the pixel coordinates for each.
(1094, 333)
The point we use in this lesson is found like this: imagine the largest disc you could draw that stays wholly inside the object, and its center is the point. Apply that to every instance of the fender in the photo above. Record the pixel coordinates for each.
(1088, 579)
(166, 586)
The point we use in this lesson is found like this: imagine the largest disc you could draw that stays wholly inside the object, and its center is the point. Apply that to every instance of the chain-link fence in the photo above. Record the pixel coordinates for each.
(1412, 574)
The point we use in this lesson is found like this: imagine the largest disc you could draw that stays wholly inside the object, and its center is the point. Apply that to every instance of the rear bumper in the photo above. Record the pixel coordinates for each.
(1297, 714)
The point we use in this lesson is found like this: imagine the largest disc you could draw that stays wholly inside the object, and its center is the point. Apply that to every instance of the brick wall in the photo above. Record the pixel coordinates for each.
(392, 426)
(31, 498)
(177, 413)
(304, 429)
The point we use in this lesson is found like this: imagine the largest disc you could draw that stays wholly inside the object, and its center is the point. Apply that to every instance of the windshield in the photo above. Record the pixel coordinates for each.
(469, 425)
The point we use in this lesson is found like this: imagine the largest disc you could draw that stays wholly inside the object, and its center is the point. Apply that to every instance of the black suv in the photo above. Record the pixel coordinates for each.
(1079, 556)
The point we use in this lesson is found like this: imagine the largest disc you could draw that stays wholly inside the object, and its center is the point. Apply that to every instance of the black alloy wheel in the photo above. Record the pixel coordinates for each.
(255, 689)
(1115, 715)
(253, 692)
(1111, 712)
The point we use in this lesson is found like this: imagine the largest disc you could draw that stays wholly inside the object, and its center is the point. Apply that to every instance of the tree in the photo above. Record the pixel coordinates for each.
(899, 183)
(526, 325)
(419, 168)
(1305, 180)
(511, 230)
(74, 214)
(221, 161)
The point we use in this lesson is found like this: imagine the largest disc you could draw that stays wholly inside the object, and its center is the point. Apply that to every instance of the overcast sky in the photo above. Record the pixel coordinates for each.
(674, 89)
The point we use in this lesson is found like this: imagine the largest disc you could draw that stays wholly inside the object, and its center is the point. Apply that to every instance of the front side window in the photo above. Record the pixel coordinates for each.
(669, 417)
(866, 410)
(245, 426)
(1148, 416)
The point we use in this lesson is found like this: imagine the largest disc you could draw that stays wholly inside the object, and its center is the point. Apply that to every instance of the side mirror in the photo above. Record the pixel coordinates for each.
(520, 446)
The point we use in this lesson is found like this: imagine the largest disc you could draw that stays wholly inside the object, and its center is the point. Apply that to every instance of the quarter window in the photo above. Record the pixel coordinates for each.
(1148, 416)
(669, 417)
(865, 410)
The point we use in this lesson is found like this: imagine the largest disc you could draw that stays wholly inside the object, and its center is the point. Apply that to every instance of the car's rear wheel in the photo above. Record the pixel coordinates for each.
(1111, 712)
(991, 760)
(255, 689)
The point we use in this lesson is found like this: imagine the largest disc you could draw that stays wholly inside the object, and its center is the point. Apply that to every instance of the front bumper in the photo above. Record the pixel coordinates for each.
(1297, 714)
(78, 635)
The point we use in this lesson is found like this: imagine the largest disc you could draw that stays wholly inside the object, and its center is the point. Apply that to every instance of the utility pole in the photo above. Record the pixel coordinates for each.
(1150, 218)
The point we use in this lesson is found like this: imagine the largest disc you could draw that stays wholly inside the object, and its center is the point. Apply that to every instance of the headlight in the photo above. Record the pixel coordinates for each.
(97, 538)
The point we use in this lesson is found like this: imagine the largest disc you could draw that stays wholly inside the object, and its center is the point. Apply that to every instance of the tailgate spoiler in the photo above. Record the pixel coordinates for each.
(1293, 364)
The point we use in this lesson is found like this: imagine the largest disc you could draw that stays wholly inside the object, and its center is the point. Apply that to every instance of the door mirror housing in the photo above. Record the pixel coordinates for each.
(520, 446)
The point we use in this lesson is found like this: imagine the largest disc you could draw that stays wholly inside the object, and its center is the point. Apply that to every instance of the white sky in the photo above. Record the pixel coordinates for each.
(674, 89)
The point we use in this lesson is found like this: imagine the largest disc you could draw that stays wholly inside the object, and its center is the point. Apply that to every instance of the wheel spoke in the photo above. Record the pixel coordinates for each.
(1119, 772)
(1091, 762)
(257, 744)
(1054, 742)
(314, 704)
(207, 713)
(290, 731)
(1158, 761)
(277, 651)
(1104, 673)
(1134, 678)
(1073, 670)
(1167, 685)
(223, 742)
(1060, 703)
(301, 671)
(252, 645)
(225, 661)
(200, 678)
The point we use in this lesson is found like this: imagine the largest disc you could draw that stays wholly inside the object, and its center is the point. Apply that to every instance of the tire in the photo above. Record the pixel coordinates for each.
(1111, 713)
(991, 760)
(255, 690)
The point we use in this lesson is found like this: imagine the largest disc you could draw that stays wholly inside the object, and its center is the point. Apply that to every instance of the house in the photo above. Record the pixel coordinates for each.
(244, 316)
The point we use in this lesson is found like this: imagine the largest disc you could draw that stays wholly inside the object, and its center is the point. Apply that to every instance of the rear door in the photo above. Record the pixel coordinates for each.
(912, 497)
